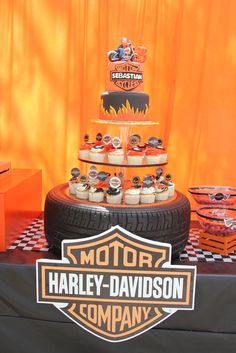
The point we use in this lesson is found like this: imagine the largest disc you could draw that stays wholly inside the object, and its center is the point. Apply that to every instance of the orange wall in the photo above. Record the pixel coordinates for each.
(53, 68)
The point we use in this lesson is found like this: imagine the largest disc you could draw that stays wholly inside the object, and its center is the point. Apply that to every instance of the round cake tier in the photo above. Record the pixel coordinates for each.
(127, 106)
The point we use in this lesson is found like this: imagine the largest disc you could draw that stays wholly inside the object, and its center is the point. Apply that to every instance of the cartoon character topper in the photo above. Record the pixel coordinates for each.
(126, 51)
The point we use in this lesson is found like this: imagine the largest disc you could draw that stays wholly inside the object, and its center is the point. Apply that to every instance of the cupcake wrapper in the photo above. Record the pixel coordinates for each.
(96, 197)
(83, 195)
(147, 198)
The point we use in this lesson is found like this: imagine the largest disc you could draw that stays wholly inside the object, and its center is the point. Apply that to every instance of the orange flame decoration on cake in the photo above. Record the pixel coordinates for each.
(125, 113)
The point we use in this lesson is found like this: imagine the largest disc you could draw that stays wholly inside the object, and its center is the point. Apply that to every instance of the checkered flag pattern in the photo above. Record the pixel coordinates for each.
(33, 239)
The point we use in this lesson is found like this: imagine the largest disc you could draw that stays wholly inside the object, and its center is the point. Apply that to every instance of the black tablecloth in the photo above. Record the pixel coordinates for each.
(26, 326)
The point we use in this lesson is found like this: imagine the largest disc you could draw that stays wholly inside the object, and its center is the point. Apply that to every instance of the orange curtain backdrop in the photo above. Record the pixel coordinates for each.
(53, 68)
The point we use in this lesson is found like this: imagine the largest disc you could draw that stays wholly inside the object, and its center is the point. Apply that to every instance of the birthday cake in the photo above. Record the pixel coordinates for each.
(125, 99)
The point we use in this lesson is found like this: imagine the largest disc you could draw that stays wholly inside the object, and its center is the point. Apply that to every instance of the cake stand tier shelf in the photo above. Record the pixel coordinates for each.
(125, 165)
(125, 123)
(67, 217)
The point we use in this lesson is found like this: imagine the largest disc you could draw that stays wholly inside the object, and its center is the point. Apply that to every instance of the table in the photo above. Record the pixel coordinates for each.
(26, 326)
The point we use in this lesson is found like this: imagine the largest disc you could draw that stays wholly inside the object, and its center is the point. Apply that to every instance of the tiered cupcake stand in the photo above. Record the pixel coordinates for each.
(67, 217)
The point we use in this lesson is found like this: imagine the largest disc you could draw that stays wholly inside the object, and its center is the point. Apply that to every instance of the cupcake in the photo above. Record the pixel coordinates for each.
(171, 189)
(85, 147)
(96, 194)
(162, 192)
(133, 141)
(153, 155)
(155, 152)
(171, 186)
(132, 196)
(148, 190)
(82, 191)
(116, 156)
(84, 151)
(163, 155)
(147, 195)
(72, 185)
(135, 156)
(75, 172)
(114, 196)
(97, 153)
(162, 151)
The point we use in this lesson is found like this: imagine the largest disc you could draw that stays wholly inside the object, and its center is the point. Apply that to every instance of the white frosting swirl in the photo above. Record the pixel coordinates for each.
(97, 149)
(148, 191)
(159, 190)
(82, 187)
(93, 190)
(117, 152)
(132, 191)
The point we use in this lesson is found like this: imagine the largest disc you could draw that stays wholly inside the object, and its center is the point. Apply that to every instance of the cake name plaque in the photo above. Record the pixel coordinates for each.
(127, 76)
(116, 285)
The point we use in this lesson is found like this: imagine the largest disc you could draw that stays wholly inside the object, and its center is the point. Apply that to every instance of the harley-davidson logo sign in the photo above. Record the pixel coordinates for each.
(116, 285)
(127, 76)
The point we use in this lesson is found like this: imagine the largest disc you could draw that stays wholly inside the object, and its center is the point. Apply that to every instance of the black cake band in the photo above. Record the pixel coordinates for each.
(115, 100)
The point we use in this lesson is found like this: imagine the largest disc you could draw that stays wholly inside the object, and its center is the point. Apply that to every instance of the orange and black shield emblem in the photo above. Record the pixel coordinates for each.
(115, 285)
(127, 76)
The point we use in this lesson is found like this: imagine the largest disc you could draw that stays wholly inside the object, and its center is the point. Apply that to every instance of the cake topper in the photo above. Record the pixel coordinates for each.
(159, 172)
(160, 142)
(134, 140)
(102, 176)
(153, 141)
(147, 182)
(126, 51)
(115, 182)
(75, 172)
(92, 174)
(116, 142)
(99, 137)
(86, 138)
(135, 180)
(121, 175)
(93, 167)
(83, 178)
(106, 139)
(168, 177)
